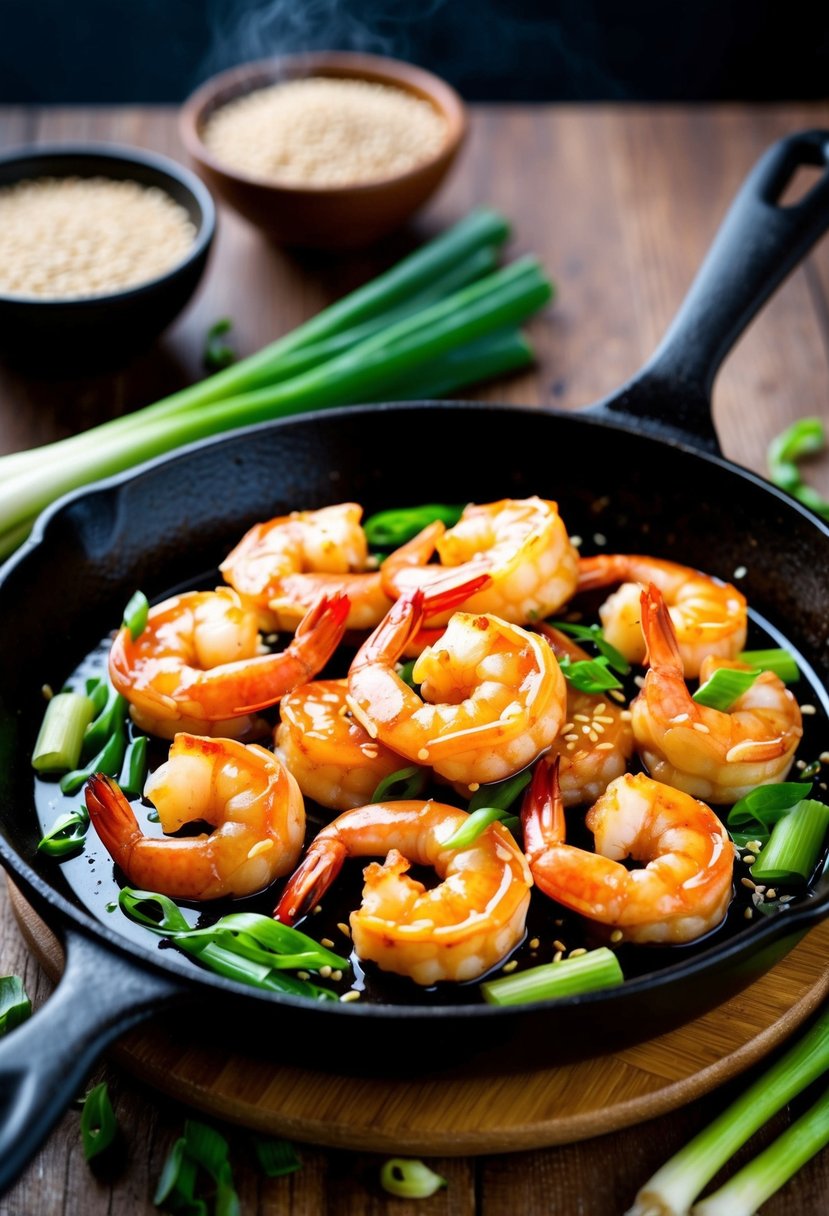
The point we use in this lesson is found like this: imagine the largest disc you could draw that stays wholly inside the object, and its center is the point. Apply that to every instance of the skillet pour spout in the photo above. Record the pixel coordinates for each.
(652, 447)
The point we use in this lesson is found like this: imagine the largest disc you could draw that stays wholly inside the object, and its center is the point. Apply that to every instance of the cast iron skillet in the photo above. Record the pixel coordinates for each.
(654, 482)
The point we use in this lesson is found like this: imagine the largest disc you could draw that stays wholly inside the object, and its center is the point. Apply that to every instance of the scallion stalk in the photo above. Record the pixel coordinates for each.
(15, 1006)
(589, 675)
(108, 760)
(487, 805)
(60, 738)
(552, 981)
(805, 437)
(135, 614)
(595, 635)
(98, 1124)
(754, 816)
(134, 767)
(408, 1178)
(400, 785)
(676, 1184)
(66, 836)
(276, 1157)
(781, 662)
(391, 529)
(794, 845)
(724, 686)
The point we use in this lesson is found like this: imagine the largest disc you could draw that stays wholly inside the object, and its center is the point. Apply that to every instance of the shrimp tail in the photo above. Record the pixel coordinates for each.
(601, 571)
(542, 811)
(111, 816)
(320, 631)
(310, 880)
(391, 636)
(658, 628)
(448, 593)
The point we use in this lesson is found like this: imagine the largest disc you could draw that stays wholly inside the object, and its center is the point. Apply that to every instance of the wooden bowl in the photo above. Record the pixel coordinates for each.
(323, 217)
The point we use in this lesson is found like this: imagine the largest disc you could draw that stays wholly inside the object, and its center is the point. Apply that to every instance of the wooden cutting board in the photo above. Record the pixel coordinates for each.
(458, 1113)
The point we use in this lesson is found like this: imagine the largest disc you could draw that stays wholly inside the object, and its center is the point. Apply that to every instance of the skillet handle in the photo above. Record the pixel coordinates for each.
(758, 244)
(45, 1061)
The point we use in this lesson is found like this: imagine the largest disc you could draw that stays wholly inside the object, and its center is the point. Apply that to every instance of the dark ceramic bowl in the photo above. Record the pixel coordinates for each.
(323, 217)
(91, 333)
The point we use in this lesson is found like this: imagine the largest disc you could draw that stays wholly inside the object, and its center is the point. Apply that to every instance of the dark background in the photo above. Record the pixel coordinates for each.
(522, 50)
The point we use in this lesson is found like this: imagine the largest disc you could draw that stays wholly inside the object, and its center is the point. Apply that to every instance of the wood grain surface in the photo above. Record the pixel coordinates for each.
(620, 203)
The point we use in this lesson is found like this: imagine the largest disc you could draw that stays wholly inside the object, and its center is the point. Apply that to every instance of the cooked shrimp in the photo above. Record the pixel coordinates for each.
(492, 694)
(457, 930)
(715, 755)
(334, 759)
(197, 665)
(709, 616)
(596, 741)
(284, 565)
(521, 543)
(244, 792)
(682, 892)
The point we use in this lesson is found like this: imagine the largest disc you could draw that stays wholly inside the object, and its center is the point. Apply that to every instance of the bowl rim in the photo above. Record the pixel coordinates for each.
(165, 167)
(409, 77)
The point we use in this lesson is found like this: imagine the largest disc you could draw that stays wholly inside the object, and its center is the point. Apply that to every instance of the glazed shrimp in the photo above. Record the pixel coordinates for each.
(244, 792)
(685, 887)
(492, 694)
(715, 755)
(596, 742)
(709, 616)
(197, 665)
(521, 544)
(284, 565)
(334, 759)
(456, 930)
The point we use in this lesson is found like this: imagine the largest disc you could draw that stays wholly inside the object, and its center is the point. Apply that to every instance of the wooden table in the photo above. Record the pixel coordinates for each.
(620, 203)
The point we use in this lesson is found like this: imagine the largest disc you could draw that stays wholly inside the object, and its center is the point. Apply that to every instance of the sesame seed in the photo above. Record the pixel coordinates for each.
(605, 718)
(748, 913)
(786, 899)
(558, 956)
(771, 893)
(568, 726)
(752, 886)
(577, 952)
(594, 738)
(625, 715)
(639, 681)
(327, 942)
(749, 858)
(336, 976)
(473, 787)
(600, 708)
(598, 728)
(581, 718)
(351, 995)
(808, 709)
(604, 747)
(303, 975)
(599, 538)
(315, 911)
(558, 945)
(680, 718)
(740, 572)
(576, 542)
(47, 692)
(510, 966)
(616, 935)
(702, 728)
(423, 754)
(534, 943)
(616, 695)
(325, 972)
(343, 928)
(571, 738)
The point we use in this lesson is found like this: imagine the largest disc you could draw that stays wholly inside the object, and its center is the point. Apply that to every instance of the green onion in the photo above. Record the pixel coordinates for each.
(15, 1006)
(756, 1182)
(588, 675)
(98, 690)
(408, 1178)
(477, 823)
(108, 760)
(244, 946)
(391, 529)
(98, 1125)
(676, 1184)
(135, 614)
(217, 353)
(200, 1148)
(66, 836)
(60, 739)
(781, 662)
(552, 981)
(594, 634)
(112, 714)
(723, 688)
(488, 804)
(400, 325)
(405, 783)
(803, 438)
(406, 676)
(794, 846)
(276, 1157)
(134, 767)
(754, 816)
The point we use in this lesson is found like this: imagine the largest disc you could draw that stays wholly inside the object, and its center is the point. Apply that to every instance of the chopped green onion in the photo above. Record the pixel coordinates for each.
(594, 634)
(135, 614)
(15, 1006)
(134, 767)
(754, 816)
(66, 836)
(676, 1184)
(108, 760)
(408, 1178)
(60, 739)
(552, 981)
(217, 353)
(112, 713)
(803, 438)
(97, 690)
(405, 783)
(200, 1148)
(276, 1157)
(477, 823)
(405, 674)
(723, 688)
(794, 846)
(390, 529)
(781, 662)
(756, 1182)
(488, 804)
(588, 675)
(98, 1125)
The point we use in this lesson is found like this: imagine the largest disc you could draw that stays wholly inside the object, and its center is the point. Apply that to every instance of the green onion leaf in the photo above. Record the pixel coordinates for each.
(794, 846)
(588, 675)
(405, 674)
(488, 804)
(15, 1006)
(552, 981)
(403, 784)
(409, 1179)
(66, 836)
(108, 760)
(781, 662)
(594, 634)
(754, 816)
(134, 768)
(97, 690)
(112, 713)
(98, 1125)
(276, 1157)
(390, 529)
(803, 438)
(135, 614)
(200, 1148)
(477, 823)
(218, 354)
(723, 688)
(60, 738)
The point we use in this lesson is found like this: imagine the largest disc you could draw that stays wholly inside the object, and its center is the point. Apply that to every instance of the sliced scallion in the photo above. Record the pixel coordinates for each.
(405, 783)
(781, 662)
(552, 981)
(135, 614)
(754, 816)
(724, 686)
(112, 713)
(200, 1148)
(108, 760)
(594, 634)
(60, 738)
(15, 1006)
(408, 1178)
(803, 438)
(218, 354)
(477, 823)
(794, 845)
(97, 690)
(98, 1124)
(392, 528)
(134, 767)
(488, 804)
(276, 1157)
(66, 836)
(588, 675)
